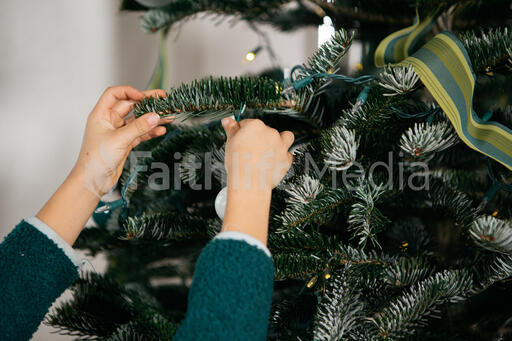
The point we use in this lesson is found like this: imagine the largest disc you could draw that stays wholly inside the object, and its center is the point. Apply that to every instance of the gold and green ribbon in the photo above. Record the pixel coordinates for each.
(399, 45)
(444, 67)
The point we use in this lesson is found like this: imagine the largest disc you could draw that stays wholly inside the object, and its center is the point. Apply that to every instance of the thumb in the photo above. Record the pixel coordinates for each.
(230, 126)
(138, 127)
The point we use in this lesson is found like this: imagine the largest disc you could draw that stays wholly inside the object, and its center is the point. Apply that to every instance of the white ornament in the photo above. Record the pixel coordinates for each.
(220, 202)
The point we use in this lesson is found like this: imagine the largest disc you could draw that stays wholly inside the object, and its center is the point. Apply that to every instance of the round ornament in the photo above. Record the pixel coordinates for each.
(220, 202)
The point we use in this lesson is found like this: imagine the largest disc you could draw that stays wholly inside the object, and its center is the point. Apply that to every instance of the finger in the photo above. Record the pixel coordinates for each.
(137, 128)
(167, 119)
(230, 126)
(163, 120)
(290, 159)
(118, 122)
(155, 132)
(118, 93)
(287, 137)
(251, 122)
(123, 108)
(154, 93)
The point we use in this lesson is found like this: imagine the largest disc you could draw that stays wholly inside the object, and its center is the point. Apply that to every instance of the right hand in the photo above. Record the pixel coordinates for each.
(257, 156)
(110, 136)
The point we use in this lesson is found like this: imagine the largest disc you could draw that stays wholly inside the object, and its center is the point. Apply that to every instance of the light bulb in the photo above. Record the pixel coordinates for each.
(250, 56)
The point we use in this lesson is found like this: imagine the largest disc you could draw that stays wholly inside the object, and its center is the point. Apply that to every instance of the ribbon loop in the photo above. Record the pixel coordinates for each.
(445, 69)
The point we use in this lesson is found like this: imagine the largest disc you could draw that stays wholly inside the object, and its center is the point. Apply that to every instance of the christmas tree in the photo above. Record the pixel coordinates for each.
(391, 225)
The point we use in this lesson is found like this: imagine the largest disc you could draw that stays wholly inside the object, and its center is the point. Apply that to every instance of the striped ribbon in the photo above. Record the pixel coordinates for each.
(399, 45)
(444, 67)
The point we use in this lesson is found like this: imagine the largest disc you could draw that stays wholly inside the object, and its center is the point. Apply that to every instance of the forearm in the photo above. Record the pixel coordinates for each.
(70, 207)
(247, 211)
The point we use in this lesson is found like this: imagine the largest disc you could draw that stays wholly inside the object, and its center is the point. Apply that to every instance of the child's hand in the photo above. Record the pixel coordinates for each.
(257, 159)
(109, 137)
(257, 156)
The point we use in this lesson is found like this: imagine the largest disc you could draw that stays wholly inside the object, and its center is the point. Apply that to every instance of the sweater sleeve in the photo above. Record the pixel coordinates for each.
(231, 292)
(35, 271)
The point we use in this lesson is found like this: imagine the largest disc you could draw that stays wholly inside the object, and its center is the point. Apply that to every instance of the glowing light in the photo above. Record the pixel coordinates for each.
(404, 246)
(358, 67)
(250, 56)
(325, 31)
(327, 276)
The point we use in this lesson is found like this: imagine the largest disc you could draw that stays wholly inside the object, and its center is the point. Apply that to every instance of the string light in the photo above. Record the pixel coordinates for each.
(327, 276)
(361, 99)
(251, 55)
(311, 282)
(404, 246)
(495, 213)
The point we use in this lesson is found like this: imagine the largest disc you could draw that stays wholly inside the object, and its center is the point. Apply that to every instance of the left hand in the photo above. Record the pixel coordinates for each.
(109, 137)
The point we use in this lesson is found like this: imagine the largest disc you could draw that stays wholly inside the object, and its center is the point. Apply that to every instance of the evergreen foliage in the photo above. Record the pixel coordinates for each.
(416, 255)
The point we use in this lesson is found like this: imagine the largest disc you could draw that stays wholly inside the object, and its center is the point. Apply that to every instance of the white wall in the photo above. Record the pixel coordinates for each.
(57, 57)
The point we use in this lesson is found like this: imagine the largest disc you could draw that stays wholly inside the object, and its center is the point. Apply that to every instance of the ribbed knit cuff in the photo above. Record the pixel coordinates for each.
(235, 235)
(52, 235)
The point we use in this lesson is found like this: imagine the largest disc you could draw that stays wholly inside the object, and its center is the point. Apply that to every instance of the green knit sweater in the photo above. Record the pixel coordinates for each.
(229, 298)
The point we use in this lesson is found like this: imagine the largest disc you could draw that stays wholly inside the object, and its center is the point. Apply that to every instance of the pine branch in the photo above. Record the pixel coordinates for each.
(339, 148)
(317, 210)
(425, 139)
(126, 332)
(406, 271)
(328, 57)
(446, 198)
(304, 191)
(375, 115)
(339, 311)
(365, 220)
(326, 60)
(490, 270)
(347, 254)
(410, 310)
(318, 256)
(164, 17)
(492, 234)
(223, 97)
(216, 97)
(288, 20)
(99, 306)
(488, 50)
(299, 265)
(297, 240)
(165, 226)
(398, 80)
